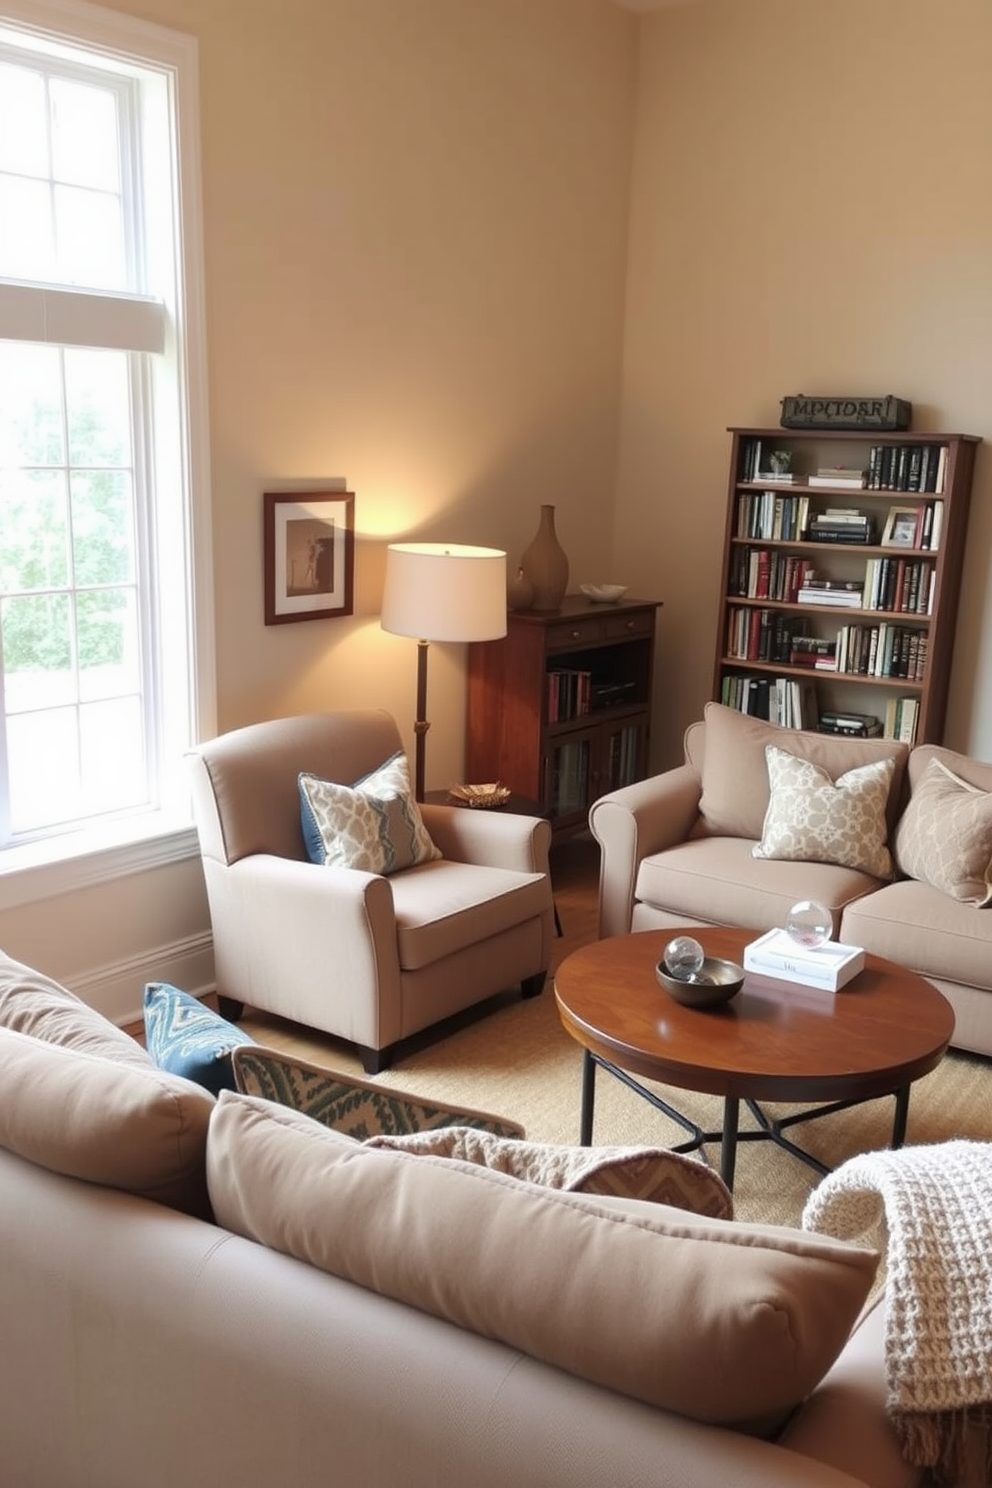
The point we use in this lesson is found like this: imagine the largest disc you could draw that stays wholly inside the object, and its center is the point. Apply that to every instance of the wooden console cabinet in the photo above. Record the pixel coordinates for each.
(559, 709)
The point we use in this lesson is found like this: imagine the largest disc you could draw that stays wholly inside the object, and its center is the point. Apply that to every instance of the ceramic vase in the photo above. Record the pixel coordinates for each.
(519, 592)
(545, 564)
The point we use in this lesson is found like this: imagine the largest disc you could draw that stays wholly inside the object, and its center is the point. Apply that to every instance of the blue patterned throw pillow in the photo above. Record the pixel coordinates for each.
(186, 1037)
(374, 824)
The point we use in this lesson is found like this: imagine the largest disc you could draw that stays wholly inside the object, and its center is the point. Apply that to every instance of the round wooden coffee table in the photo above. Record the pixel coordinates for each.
(775, 1041)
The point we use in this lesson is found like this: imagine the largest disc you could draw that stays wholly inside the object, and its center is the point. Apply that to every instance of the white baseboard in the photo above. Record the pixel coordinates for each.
(117, 990)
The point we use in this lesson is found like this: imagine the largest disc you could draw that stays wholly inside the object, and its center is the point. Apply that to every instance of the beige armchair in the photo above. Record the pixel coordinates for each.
(367, 958)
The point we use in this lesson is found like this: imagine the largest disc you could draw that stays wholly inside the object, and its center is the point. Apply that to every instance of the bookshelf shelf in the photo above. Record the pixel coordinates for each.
(895, 543)
(559, 709)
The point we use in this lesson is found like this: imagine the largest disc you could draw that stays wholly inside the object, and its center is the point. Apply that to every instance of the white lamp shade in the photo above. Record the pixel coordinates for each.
(444, 592)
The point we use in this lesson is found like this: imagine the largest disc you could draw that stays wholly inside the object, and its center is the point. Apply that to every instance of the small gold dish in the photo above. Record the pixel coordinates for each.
(715, 982)
(482, 796)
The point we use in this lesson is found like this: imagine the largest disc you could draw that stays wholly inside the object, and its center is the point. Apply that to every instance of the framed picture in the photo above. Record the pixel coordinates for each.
(901, 526)
(309, 555)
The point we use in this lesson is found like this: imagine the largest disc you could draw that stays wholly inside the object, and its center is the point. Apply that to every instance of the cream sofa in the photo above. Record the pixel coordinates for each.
(448, 1326)
(677, 849)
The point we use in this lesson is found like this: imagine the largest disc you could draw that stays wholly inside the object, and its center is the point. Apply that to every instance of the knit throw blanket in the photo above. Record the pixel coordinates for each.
(933, 1204)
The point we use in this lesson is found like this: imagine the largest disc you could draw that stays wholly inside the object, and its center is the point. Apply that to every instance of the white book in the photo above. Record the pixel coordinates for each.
(828, 967)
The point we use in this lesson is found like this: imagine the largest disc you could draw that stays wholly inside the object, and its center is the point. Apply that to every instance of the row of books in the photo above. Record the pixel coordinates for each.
(788, 701)
(901, 719)
(882, 650)
(907, 467)
(792, 703)
(569, 693)
(771, 516)
(570, 781)
(903, 585)
(622, 757)
(767, 573)
(902, 716)
(891, 467)
(760, 634)
(900, 586)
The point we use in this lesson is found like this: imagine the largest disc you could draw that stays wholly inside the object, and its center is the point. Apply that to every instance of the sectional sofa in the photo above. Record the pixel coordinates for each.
(218, 1292)
(895, 842)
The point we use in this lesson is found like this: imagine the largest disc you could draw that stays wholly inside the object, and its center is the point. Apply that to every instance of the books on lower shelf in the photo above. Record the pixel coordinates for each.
(854, 725)
(901, 719)
(788, 701)
(828, 967)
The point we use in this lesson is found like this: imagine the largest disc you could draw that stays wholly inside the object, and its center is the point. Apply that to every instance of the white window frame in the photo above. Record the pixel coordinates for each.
(65, 863)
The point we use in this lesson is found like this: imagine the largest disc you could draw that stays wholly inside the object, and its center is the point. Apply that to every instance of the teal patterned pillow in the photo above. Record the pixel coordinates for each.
(374, 824)
(355, 1107)
(186, 1037)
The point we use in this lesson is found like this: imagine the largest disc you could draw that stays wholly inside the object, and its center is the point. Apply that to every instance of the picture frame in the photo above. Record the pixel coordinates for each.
(902, 526)
(309, 555)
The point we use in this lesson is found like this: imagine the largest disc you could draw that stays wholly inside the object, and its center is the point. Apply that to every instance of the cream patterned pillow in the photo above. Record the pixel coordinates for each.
(374, 824)
(814, 819)
(945, 836)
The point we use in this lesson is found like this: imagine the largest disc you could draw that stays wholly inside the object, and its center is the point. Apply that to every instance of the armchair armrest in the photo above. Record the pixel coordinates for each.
(492, 839)
(630, 824)
(300, 939)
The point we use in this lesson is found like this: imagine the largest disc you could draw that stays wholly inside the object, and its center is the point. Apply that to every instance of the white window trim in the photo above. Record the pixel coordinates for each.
(64, 864)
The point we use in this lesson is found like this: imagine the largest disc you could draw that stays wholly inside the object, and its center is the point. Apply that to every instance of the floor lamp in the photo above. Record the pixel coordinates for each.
(442, 592)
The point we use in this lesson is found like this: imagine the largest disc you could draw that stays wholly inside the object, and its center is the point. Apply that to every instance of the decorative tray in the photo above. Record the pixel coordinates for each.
(492, 794)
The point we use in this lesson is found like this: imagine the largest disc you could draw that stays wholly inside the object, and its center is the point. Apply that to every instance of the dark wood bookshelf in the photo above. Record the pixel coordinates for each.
(768, 539)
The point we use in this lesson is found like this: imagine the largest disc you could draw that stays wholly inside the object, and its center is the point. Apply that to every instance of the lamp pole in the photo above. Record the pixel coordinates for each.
(421, 724)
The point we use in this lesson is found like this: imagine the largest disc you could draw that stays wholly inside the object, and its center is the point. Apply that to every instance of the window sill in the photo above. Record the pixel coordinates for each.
(78, 860)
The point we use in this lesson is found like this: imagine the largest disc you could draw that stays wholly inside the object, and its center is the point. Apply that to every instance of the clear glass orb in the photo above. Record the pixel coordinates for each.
(684, 958)
(809, 924)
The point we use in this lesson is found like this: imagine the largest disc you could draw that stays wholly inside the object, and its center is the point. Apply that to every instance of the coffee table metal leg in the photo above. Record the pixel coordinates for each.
(588, 1098)
(901, 1116)
(728, 1146)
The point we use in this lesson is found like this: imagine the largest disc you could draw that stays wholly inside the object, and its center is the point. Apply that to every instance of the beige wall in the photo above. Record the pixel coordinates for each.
(810, 213)
(416, 229)
(416, 217)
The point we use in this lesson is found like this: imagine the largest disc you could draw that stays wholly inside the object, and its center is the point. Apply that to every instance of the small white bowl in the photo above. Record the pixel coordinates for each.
(604, 593)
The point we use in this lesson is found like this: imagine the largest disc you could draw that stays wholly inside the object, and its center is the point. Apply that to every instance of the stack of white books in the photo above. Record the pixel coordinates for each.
(829, 966)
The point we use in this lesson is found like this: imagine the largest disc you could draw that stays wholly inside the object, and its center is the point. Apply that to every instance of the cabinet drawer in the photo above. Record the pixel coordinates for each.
(639, 624)
(573, 633)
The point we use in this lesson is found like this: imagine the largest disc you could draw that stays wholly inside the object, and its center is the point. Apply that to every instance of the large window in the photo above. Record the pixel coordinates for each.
(102, 433)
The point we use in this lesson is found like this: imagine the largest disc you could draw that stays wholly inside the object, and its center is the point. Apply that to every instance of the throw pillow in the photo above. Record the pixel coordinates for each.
(34, 1004)
(724, 1322)
(114, 1123)
(374, 824)
(730, 758)
(188, 1038)
(356, 1107)
(651, 1174)
(811, 818)
(944, 837)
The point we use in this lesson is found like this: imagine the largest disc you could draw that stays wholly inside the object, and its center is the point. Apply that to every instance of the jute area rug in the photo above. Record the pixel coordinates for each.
(517, 1061)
